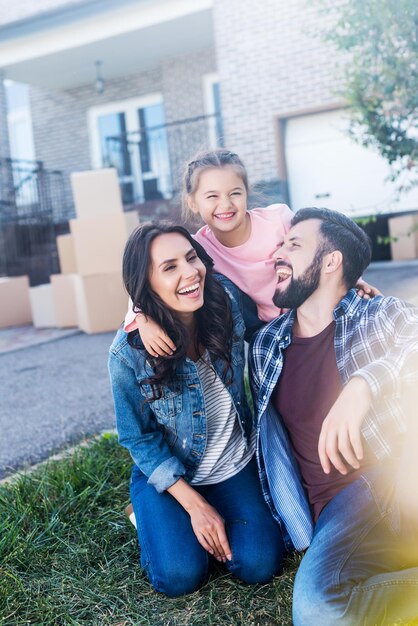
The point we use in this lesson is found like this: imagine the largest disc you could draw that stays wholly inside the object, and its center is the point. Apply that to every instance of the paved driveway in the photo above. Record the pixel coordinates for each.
(52, 395)
(395, 279)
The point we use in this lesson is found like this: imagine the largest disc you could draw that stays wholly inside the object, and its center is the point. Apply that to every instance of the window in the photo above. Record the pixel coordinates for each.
(19, 121)
(22, 148)
(212, 96)
(131, 136)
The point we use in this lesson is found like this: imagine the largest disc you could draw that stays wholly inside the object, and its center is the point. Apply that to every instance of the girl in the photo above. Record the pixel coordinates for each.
(185, 420)
(241, 243)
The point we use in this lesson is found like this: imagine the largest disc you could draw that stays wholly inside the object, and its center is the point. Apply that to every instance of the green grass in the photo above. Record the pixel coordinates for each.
(68, 555)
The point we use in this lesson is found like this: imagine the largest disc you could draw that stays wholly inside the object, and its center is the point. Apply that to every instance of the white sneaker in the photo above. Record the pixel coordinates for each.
(129, 510)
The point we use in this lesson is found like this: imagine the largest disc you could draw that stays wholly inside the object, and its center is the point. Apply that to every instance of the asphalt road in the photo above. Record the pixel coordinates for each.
(58, 393)
(395, 279)
(53, 395)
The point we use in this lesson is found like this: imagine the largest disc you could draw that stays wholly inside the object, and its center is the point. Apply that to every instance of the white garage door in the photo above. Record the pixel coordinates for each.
(327, 168)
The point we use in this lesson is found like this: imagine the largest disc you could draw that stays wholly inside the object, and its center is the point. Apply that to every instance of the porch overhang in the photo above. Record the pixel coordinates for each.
(127, 37)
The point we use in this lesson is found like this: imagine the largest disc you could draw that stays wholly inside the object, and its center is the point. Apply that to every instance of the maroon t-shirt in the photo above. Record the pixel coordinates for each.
(307, 388)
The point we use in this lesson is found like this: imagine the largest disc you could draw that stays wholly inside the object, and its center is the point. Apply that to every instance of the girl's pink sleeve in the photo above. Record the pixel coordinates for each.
(129, 323)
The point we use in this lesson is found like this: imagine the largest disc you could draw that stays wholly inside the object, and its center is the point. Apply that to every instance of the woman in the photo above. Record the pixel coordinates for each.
(185, 420)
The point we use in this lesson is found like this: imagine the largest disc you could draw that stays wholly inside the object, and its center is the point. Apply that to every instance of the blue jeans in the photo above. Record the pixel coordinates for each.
(174, 561)
(362, 565)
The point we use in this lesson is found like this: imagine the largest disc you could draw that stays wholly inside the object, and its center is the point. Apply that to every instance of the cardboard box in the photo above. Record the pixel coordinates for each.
(63, 294)
(101, 302)
(42, 304)
(404, 229)
(96, 192)
(15, 309)
(99, 242)
(66, 254)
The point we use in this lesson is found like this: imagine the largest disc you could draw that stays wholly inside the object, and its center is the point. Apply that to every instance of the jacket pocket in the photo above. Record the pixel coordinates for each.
(166, 411)
(168, 406)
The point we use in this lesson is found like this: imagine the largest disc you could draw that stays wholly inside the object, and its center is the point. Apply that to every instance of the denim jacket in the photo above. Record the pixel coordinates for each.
(167, 437)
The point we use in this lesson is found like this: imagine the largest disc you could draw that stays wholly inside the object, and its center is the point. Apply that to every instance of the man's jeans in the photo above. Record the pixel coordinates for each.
(362, 566)
(171, 556)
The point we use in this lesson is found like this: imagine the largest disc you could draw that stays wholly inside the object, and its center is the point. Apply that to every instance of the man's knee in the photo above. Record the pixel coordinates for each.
(309, 604)
(313, 603)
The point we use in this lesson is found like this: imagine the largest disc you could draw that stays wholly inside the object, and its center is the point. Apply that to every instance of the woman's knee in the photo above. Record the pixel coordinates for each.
(258, 563)
(173, 580)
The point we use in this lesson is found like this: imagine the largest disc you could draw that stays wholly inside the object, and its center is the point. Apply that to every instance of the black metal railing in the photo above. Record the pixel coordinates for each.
(149, 161)
(27, 190)
(33, 211)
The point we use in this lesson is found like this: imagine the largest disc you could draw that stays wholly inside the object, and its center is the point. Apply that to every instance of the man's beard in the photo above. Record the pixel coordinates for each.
(300, 289)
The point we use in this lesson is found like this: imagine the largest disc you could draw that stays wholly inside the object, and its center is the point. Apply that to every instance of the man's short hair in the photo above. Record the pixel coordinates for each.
(340, 232)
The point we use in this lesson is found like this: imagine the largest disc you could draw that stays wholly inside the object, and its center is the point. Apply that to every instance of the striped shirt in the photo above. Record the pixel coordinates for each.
(375, 339)
(226, 452)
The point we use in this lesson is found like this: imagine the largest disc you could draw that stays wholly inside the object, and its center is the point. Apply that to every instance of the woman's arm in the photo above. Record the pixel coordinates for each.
(138, 429)
(139, 432)
(207, 524)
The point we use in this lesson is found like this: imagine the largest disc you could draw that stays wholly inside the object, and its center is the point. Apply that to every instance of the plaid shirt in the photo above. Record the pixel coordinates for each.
(375, 339)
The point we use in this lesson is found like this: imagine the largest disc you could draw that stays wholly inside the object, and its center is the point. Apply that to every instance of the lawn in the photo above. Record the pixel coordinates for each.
(68, 555)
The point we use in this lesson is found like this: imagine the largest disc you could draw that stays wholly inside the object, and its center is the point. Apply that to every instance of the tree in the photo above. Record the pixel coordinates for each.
(379, 39)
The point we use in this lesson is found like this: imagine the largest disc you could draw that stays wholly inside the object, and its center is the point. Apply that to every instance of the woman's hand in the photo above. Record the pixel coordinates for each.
(207, 524)
(209, 528)
(366, 291)
(155, 340)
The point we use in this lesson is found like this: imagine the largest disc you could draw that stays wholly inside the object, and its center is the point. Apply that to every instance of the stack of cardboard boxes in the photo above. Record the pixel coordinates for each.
(15, 309)
(403, 230)
(89, 292)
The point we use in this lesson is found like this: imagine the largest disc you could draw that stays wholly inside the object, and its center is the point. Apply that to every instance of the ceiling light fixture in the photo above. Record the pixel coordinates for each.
(99, 83)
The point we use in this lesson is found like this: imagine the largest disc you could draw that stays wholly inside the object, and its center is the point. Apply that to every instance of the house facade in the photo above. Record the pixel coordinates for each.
(142, 84)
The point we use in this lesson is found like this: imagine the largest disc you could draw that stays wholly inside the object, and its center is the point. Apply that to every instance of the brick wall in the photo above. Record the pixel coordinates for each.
(60, 118)
(184, 99)
(269, 62)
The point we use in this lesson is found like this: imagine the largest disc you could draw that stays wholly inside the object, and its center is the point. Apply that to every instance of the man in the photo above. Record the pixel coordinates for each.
(329, 380)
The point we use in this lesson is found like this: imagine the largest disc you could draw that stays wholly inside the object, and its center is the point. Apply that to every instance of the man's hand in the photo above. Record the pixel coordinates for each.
(155, 340)
(340, 438)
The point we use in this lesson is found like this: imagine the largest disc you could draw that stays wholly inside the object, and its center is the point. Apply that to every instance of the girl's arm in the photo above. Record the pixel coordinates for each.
(364, 290)
(155, 340)
(207, 524)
